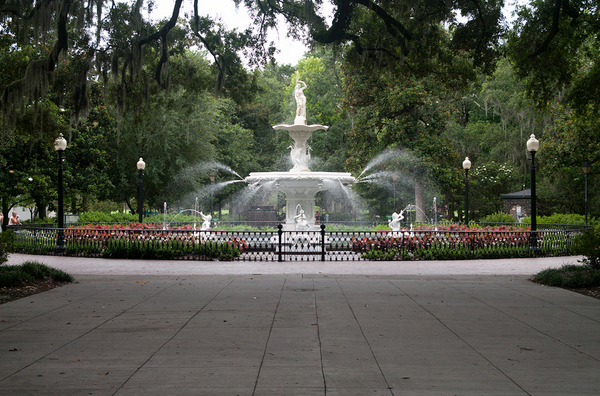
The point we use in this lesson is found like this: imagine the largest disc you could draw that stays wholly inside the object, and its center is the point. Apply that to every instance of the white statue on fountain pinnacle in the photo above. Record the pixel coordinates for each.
(300, 103)
(300, 132)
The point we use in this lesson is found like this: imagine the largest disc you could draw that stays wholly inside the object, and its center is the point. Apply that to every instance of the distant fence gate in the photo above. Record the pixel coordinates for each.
(279, 245)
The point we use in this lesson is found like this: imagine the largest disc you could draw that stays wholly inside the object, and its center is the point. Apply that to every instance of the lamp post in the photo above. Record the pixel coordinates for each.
(60, 145)
(532, 146)
(587, 167)
(394, 179)
(141, 165)
(212, 177)
(466, 166)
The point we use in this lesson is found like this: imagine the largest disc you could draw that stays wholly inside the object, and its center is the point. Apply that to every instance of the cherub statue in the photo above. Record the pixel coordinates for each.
(301, 222)
(394, 223)
(207, 220)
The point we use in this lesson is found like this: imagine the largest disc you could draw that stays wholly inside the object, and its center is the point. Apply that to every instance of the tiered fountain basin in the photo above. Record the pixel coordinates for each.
(300, 188)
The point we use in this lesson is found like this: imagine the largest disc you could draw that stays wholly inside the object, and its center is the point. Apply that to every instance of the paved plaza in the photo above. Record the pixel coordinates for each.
(133, 327)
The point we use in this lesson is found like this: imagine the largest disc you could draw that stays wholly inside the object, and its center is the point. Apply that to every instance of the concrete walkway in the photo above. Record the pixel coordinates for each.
(362, 328)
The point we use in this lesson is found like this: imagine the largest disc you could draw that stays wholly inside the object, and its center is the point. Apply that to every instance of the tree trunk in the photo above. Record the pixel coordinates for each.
(41, 209)
(420, 216)
(5, 215)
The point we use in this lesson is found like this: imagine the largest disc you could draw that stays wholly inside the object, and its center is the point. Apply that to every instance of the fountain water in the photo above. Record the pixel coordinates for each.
(435, 216)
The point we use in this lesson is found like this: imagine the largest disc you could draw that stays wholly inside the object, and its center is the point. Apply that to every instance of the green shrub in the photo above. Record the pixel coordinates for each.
(6, 245)
(10, 277)
(569, 276)
(334, 216)
(104, 217)
(15, 275)
(168, 250)
(498, 217)
(116, 249)
(558, 218)
(587, 244)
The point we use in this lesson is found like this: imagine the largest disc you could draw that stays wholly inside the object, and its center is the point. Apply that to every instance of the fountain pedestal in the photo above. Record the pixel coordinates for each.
(300, 188)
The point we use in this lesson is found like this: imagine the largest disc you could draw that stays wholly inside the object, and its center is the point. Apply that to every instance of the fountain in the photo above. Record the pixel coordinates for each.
(300, 185)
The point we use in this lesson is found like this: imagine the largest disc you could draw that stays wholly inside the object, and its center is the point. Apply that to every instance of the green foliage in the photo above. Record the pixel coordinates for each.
(406, 115)
(104, 217)
(6, 245)
(87, 163)
(149, 250)
(489, 181)
(558, 218)
(570, 139)
(500, 118)
(569, 276)
(15, 275)
(447, 253)
(555, 45)
(588, 245)
(498, 217)
(30, 159)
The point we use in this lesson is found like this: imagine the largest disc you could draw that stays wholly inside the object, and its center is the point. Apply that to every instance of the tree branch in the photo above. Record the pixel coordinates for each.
(392, 24)
(553, 31)
(162, 35)
(35, 80)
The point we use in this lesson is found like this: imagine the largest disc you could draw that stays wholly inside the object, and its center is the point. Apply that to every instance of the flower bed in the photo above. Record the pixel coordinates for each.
(461, 242)
(135, 241)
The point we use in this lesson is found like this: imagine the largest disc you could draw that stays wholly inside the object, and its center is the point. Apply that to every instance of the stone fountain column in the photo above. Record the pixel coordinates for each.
(300, 185)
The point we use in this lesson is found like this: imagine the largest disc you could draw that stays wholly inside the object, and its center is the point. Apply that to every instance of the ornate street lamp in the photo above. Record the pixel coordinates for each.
(394, 179)
(141, 165)
(466, 166)
(60, 145)
(587, 168)
(212, 177)
(532, 146)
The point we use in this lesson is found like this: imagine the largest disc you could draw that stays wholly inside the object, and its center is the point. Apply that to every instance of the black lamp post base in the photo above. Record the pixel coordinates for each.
(60, 243)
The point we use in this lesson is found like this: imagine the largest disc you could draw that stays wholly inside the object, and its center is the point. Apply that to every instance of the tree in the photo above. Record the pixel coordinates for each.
(487, 182)
(114, 37)
(496, 120)
(572, 138)
(30, 161)
(393, 32)
(87, 154)
(403, 113)
(554, 45)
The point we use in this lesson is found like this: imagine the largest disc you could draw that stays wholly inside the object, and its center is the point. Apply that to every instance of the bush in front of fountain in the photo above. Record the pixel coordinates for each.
(132, 241)
(459, 242)
(172, 248)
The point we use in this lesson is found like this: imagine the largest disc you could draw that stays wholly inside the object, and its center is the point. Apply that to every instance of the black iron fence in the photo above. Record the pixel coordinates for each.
(279, 245)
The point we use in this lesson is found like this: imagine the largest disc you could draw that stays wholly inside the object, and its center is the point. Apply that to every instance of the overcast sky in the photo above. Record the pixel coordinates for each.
(290, 51)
